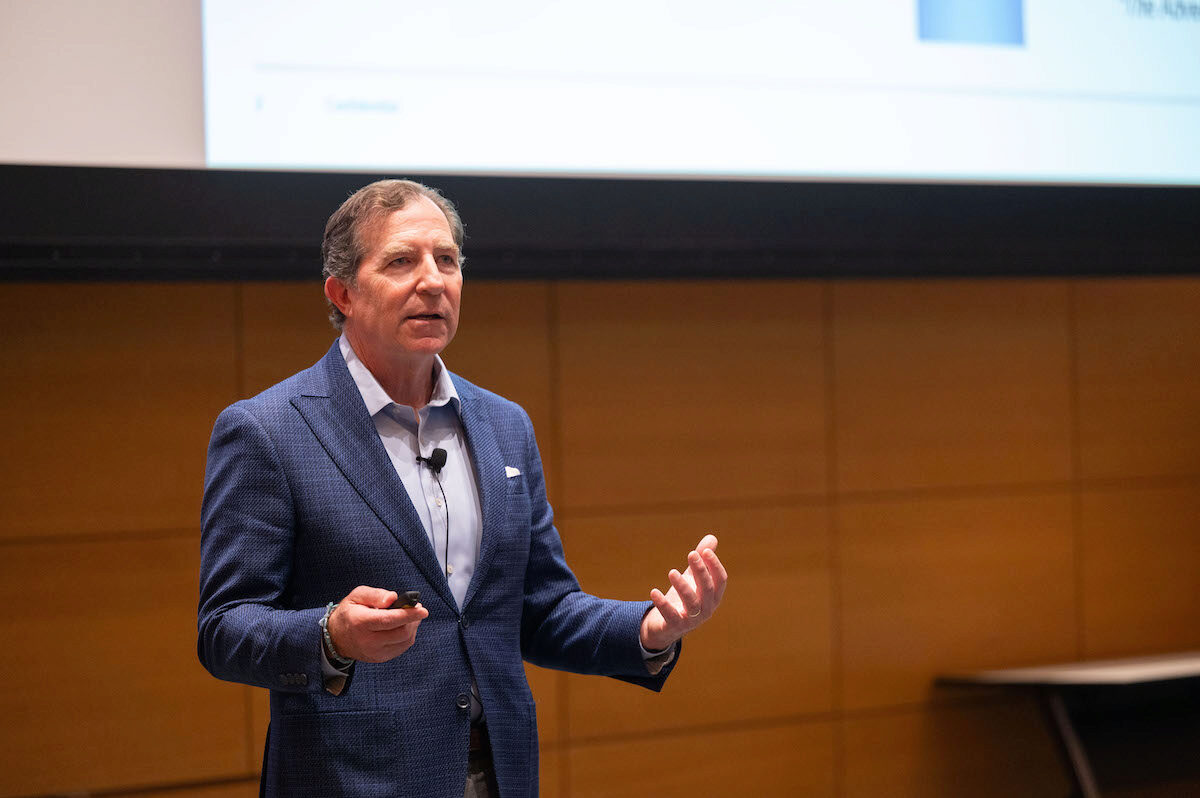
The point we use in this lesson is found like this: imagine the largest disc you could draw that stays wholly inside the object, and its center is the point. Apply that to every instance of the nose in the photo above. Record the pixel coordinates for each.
(430, 279)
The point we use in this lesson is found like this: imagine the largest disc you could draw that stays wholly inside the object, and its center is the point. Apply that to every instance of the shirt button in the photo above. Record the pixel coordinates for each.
(438, 501)
(463, 701)
(449, 568)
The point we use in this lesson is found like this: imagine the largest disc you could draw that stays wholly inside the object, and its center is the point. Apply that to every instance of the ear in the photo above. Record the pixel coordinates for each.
(339, 294)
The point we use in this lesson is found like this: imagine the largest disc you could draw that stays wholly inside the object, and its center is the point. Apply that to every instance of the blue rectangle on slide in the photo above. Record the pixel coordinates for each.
(972, 21)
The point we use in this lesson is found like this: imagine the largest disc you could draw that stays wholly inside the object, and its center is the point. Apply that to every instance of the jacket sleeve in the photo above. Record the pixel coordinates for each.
(245, 633)
(563, 627)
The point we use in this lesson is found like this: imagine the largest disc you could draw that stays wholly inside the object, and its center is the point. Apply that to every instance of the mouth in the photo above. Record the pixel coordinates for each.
(426, 317)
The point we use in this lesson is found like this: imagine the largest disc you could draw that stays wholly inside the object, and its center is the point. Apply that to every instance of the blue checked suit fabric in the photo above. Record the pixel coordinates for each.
(301, 505)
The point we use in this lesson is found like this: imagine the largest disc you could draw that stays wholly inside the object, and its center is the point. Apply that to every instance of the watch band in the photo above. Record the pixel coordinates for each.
(335, 658)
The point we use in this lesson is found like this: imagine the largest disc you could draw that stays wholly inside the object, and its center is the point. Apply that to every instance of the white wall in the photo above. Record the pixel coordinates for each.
(113, 83)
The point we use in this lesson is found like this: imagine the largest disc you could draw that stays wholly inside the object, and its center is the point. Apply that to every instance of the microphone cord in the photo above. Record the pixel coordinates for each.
(436, 461)
(437, 476)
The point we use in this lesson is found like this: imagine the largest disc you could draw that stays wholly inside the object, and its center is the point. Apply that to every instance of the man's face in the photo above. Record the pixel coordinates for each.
(406, 297)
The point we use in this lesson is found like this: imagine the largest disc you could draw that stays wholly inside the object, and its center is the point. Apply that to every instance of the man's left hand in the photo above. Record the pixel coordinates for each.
(691, 600)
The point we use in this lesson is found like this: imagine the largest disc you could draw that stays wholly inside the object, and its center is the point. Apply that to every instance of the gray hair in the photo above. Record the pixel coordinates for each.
(344, 245)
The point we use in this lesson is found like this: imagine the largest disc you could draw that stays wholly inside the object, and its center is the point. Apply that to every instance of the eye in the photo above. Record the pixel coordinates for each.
(448, 260)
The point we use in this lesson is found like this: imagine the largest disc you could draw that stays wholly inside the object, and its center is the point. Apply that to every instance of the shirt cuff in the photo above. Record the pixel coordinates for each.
(657, 660)
(333, 677)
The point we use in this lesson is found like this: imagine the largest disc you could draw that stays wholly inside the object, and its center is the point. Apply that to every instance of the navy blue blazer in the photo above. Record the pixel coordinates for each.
(301, 505)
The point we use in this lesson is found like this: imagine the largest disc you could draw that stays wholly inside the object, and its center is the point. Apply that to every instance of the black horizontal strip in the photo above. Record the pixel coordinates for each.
(97, 262)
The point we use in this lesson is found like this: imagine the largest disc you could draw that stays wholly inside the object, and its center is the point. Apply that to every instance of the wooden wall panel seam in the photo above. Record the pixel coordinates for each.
(76, 538)
(239, 340)
(554, 364)
(836, 665)
(253, 745)
(580, 512)
(1167, 481)
(1076, 465)
(554, 360)
(183, 788)
(970, 491)
(695, 730)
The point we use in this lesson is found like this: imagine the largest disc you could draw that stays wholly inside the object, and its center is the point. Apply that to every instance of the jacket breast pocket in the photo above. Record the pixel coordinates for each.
(516, 483)
(517, 497)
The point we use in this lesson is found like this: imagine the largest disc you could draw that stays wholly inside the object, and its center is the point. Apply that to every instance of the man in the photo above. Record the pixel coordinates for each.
(377, 471)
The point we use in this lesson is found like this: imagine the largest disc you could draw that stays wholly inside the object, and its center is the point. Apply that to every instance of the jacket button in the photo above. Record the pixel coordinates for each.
(463, 701)
(463, 623)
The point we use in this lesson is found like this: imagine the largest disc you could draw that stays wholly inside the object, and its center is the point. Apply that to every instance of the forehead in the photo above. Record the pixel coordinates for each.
(420, 221)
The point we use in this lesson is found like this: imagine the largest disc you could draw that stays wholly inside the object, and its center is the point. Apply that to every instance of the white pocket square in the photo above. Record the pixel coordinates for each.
(511, 472)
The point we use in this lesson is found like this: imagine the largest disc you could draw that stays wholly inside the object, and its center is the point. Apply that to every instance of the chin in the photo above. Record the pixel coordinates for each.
(424, 347)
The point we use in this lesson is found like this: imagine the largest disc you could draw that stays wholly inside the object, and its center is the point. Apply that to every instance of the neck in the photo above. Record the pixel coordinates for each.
(408, 383)
(408, 380)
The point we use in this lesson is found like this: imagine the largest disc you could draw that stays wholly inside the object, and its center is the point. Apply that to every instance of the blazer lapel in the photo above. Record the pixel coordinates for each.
(338, 418)
(489, 470)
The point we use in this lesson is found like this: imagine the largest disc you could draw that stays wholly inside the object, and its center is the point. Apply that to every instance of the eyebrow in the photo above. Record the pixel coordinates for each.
(391, 253)
(408, 250)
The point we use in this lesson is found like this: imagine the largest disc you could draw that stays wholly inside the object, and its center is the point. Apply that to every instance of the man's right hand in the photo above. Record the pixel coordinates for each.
(363, 628)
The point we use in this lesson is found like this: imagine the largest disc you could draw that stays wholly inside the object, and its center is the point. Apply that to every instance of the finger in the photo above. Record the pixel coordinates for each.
(383, 646)
(705, 586)
(387, 653)
(707, 542)
(384, 620)
(394, 619)
(392, 641)
(672, 614)
(717, 570)
(397, 637)
(382, 651)
(371, 597)
(404, 614)
(687, 593)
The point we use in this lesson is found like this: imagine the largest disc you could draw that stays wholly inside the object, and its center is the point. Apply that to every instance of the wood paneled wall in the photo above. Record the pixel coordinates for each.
(906, 476)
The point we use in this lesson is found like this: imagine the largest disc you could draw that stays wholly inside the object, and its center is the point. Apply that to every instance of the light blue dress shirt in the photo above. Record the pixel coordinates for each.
(447, 504)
